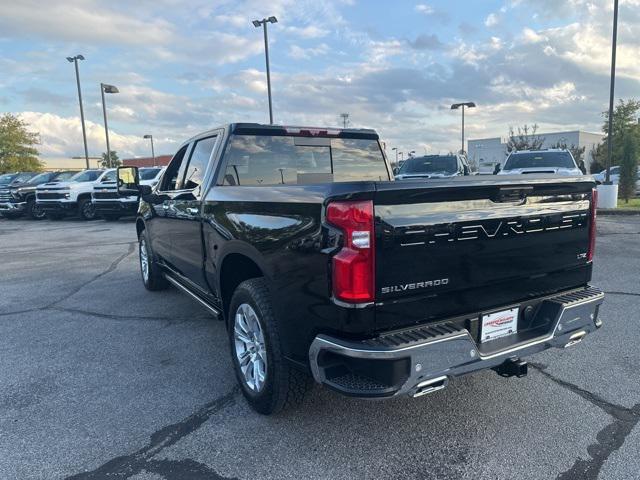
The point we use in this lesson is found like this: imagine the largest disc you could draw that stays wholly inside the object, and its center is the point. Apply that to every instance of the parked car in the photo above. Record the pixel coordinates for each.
(60, 199)
(22, 196)
(320, 264)
(110, 206)
(9, 181)
(433, 166)
(555, 161)
(615, 177)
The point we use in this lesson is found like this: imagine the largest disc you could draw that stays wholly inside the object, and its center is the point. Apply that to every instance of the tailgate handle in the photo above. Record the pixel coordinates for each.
(512, 194)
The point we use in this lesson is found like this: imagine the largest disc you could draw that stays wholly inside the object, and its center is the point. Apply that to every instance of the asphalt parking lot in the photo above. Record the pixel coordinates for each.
(102, 379)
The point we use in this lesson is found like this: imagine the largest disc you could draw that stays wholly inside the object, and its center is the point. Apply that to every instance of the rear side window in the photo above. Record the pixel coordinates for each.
(200, 156)
(285, 160)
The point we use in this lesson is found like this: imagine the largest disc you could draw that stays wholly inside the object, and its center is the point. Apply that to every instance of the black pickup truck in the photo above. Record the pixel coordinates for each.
(321, 265)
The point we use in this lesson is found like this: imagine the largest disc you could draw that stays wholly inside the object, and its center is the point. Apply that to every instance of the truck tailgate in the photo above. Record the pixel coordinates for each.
(454, 247)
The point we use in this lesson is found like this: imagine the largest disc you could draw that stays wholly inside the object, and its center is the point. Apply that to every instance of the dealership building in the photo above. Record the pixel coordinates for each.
(488, 152)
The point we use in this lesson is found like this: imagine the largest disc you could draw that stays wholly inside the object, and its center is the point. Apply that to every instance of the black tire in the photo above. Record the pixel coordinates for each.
(154, 279)
(34, 211)
(284, 386)
(110, 217)
(86, 209)
(54, 216)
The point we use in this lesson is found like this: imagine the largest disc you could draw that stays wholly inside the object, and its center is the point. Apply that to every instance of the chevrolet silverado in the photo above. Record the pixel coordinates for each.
(322, 266)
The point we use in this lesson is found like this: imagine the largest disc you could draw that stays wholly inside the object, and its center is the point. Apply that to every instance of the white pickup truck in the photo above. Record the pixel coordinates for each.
(110, 206)
(61, 199)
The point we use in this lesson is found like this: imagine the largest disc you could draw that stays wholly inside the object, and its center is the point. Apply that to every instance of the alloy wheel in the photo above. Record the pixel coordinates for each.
(250, 347)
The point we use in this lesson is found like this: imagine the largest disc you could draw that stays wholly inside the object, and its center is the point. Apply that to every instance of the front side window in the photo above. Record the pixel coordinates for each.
(170, 178)
(109, 176)
(288, 160)
(200, 156)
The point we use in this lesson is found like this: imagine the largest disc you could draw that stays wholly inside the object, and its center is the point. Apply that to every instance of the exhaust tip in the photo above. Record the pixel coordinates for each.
(430, 386)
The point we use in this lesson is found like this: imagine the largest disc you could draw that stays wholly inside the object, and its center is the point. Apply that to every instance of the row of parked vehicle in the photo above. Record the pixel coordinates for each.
(88, 193)
(554, 161)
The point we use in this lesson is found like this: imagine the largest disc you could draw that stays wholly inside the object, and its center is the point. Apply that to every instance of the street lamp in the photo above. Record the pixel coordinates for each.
(396, 149)
(74, 60)
(263, 22)
(105, 88)
(455, 106)
(614, 42)
(401, 156)
(153, 153)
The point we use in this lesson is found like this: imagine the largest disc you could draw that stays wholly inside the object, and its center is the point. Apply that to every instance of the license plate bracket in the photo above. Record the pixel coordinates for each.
(499, 324)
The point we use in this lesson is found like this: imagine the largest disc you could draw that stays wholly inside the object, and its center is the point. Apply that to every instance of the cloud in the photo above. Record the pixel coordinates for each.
(492, 20)
(424, 9)
(300, 53)
(427, 42)
(310, 31)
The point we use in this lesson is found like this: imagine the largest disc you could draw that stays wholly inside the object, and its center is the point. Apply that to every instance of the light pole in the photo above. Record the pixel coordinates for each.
(263, 22)
(105, 88)
(396, 149)
(614, 43)
(401, 156)
(153, 153)
(345, 119)
(74, 60)
(455, 106)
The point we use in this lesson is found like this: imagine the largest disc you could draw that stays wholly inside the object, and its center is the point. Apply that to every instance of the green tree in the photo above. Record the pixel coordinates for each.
(628, 169)
(526, 138)
(625, 122)
(17, 146)
(115, 160)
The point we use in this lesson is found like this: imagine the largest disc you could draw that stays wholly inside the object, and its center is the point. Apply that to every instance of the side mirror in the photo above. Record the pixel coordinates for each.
(128, 181)
(396, 170)
(497, 169)
(465, 170)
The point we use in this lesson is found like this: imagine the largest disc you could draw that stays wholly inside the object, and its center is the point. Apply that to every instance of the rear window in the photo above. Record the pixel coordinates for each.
(272, 160)
(540, 159)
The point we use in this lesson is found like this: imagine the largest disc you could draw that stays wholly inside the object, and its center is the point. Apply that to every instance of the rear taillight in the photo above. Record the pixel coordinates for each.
(592, 225)
(354, 264)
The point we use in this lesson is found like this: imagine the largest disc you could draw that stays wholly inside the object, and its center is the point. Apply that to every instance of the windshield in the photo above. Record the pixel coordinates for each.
(430, 164)
(7, 177)
(23, 177)
(148, 173)
(41, 178)
(86, 176)
(540, 160)
(64, 176)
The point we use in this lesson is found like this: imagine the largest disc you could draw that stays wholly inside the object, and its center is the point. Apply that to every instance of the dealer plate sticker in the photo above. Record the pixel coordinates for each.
(499, 324)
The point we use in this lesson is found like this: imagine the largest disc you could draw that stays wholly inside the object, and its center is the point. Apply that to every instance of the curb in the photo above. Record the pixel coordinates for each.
(618, 212)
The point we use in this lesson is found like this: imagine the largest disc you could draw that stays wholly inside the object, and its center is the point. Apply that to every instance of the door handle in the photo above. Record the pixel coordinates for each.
(192, 210)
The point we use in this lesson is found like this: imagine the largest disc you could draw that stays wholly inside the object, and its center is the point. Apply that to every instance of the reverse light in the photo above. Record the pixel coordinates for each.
(354, 265)
(592, 224)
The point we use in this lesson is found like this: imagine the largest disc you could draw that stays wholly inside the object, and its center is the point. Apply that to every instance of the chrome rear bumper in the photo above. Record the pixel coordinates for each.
(418, 360)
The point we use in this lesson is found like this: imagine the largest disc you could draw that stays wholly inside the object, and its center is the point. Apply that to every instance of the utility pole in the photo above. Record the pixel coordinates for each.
(614, 44)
